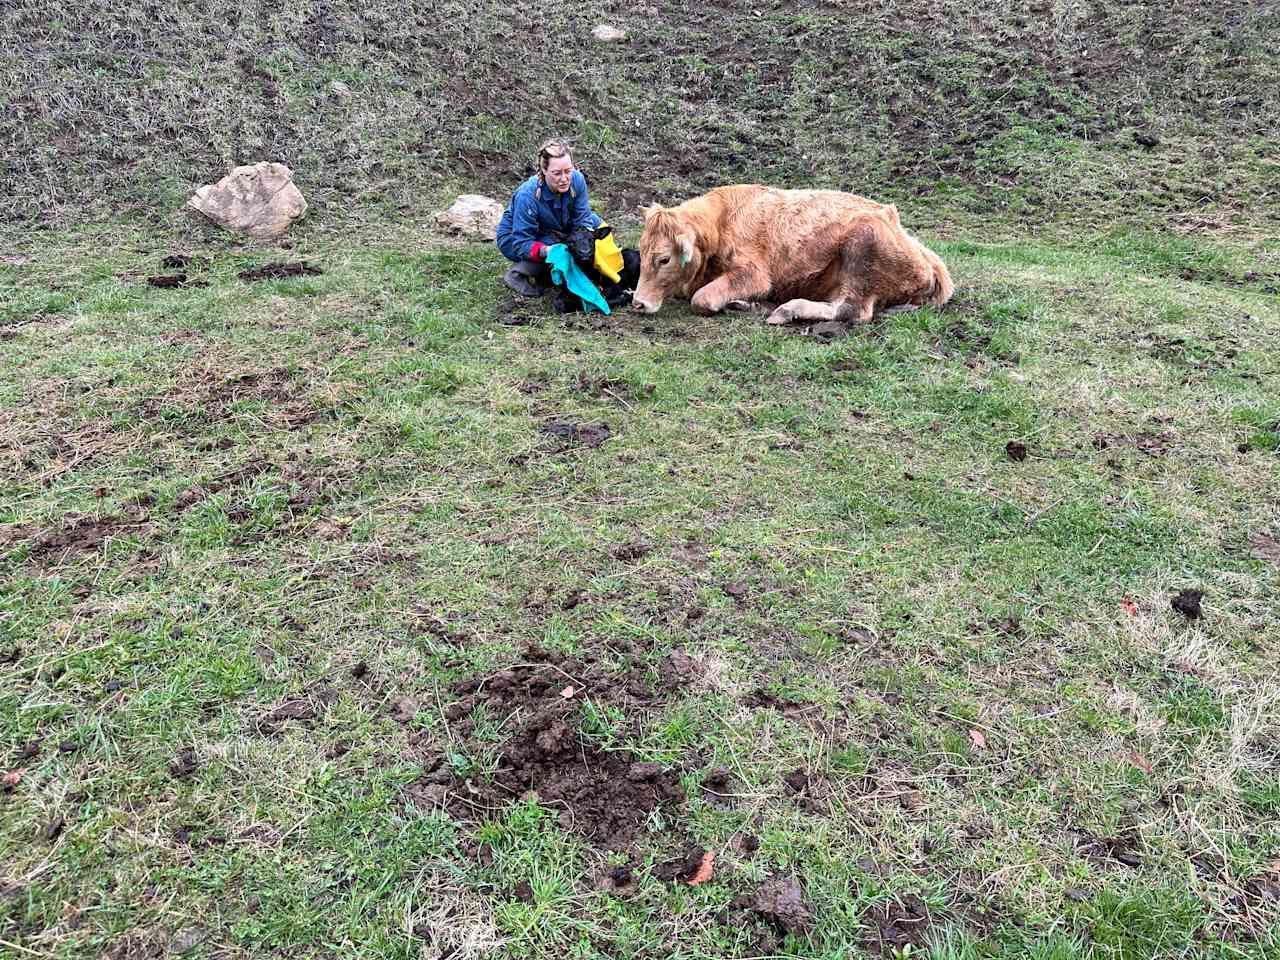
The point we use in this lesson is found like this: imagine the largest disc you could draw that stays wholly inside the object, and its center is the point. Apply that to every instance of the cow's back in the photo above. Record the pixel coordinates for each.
(795, 234)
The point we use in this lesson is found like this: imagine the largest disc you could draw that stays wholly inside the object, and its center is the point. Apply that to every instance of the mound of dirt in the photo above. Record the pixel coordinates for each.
(605, 795)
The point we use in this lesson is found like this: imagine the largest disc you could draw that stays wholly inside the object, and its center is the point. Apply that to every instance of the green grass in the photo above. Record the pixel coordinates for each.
(973, 662)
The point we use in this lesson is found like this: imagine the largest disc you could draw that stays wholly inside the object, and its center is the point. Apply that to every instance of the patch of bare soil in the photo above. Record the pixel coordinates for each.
(204, 393)
(899, 925)
(573, 434)
(516, 312)
(610, 388)
(603, 795)
(52, 547)
(10, 330)
(232, 478)
(1256, 908)
(135, 947)
(279, 271)
(1124, 848)
(170, 281)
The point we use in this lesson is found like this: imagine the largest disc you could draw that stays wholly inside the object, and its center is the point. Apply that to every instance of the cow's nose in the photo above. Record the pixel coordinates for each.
(643, 305)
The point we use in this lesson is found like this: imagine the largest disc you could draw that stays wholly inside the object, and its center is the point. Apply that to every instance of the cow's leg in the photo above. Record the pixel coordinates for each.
(741, 283)
(861, 256)
(817, 311)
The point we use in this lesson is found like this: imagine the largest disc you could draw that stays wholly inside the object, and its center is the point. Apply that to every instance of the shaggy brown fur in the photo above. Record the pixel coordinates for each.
(822, 254)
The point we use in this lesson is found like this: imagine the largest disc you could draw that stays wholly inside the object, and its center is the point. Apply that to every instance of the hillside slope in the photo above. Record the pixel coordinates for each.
(1023, 109)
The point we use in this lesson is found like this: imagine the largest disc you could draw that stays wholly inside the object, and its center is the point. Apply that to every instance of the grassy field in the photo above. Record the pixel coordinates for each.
(353, 615)
(362, 613)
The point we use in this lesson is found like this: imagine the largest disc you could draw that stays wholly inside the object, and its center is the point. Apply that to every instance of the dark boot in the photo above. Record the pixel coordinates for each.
(528, 278)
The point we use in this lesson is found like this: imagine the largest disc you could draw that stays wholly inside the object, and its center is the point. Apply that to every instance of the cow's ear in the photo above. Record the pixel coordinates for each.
(684, 248)
(650, 211)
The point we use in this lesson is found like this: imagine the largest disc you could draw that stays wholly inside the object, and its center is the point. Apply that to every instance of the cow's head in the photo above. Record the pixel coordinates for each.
(669, 259)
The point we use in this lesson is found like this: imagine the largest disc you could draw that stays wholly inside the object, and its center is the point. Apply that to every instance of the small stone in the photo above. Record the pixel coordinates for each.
(472, 217)
(606, 33)
(340, 89)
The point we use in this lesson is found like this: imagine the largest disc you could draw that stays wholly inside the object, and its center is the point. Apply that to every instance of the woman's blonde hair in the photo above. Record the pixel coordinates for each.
(555, 147)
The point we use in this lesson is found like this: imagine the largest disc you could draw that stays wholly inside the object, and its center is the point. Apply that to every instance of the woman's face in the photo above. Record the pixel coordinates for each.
(559, 173)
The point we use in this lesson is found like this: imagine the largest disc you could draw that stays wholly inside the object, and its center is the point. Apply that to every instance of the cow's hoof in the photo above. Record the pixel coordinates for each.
(741, 306)
(704, 305)
(780, 316)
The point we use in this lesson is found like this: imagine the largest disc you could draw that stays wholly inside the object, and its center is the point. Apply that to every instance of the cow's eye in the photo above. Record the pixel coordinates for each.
(663, 261)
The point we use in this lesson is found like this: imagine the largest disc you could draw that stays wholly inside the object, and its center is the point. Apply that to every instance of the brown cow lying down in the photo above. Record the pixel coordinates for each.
(822, 254)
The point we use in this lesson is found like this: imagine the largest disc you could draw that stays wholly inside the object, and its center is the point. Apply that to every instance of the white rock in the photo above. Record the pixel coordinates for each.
(472, 216)
(608, 34)
(340, 89)
(259, 199)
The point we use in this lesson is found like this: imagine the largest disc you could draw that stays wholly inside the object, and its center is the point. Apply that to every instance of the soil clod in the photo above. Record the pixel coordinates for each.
(1187, 603)
(683, 868)
(781, 902)
(1016, 450)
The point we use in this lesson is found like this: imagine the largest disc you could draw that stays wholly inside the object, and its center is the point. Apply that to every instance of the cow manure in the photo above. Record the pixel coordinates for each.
(1016, 450)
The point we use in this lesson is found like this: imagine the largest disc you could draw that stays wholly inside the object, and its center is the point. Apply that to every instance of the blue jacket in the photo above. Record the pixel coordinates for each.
(536, 212)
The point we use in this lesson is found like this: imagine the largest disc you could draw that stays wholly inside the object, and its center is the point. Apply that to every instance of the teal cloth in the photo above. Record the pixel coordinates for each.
(566, 273)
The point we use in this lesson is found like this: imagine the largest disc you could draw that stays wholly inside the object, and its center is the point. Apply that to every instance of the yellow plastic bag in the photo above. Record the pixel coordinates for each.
(608, 258)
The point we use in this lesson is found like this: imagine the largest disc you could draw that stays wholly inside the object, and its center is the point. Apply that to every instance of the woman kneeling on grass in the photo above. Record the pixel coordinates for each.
(547, 209)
